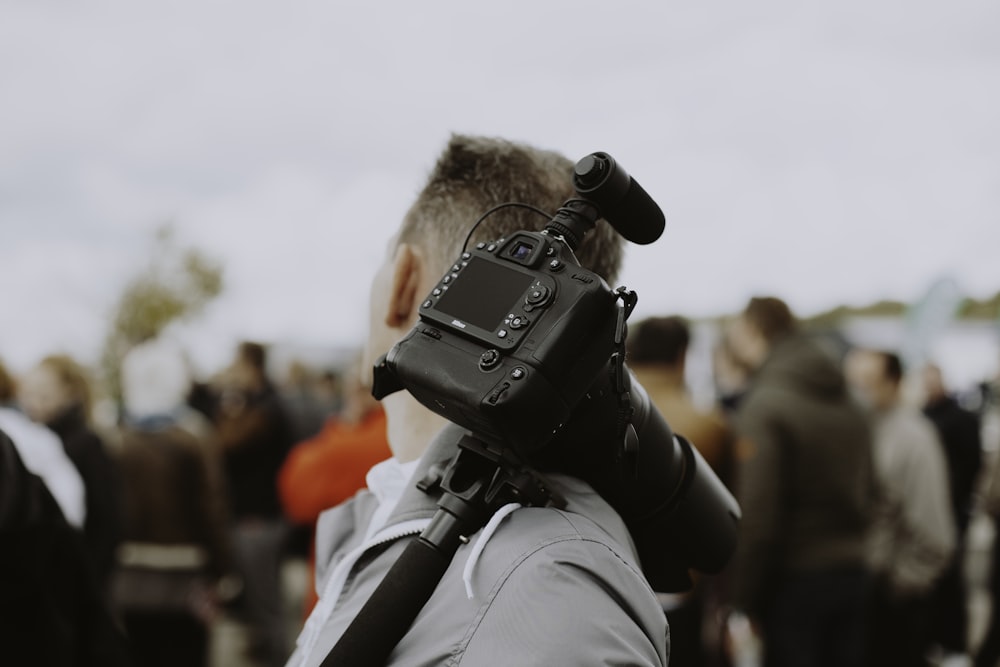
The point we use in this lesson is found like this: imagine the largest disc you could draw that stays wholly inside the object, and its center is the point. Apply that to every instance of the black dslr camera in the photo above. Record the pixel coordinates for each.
(524, 348)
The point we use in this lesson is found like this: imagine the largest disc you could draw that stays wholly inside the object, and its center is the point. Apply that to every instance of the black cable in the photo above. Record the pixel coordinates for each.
(494, 210)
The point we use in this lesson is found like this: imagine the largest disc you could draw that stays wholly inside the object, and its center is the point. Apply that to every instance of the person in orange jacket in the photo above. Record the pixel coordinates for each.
(330, 467)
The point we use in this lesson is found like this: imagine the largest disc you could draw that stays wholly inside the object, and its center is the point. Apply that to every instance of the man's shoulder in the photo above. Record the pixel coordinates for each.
(586, 534)
(910, 437)
(542, 577)
(532, 529)
(908, 423)
(574, 566)
(588, 512)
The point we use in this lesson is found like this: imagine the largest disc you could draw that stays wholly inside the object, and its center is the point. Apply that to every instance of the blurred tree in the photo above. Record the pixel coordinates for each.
(177, 284)
(987, 309)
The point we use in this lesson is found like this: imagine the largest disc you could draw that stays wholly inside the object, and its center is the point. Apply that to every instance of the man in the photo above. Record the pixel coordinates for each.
(549, 586)
(988, 654)
(804, 480)
(657, 355)
(256, 434)
(51, 610)
(42, 453)
(914, 534)
(57, 393)
(175, 543)
(959, 433)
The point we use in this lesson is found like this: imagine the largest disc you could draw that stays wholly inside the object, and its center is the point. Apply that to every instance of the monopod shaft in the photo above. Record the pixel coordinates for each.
(391, 609)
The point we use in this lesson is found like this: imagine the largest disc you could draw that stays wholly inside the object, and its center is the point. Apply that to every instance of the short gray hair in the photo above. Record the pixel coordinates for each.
(474, 174)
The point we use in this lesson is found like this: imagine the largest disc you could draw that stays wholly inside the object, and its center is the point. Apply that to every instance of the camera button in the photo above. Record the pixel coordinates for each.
(437, 291)
(491, 247)
(447, 279)
(502, 333)
(427, 304)
(519, 322)
(456, 267)
(537, 295)
(498, 392)
(480, 245)
(466, 255)
(555, 265)
(518, 373)
(489, 359)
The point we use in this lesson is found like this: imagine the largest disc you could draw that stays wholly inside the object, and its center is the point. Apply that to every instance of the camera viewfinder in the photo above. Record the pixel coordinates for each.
(521, 251)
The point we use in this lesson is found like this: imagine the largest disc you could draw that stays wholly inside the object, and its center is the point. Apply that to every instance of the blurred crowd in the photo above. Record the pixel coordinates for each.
(182, 511)
(859, 481)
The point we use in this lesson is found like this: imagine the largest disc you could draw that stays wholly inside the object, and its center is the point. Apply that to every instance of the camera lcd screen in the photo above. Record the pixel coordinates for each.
(483, 293)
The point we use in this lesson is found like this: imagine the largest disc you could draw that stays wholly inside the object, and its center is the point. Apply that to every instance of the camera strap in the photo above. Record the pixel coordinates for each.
(478, 481)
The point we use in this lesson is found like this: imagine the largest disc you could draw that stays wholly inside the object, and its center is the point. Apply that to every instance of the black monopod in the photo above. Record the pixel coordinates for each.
(479, 480)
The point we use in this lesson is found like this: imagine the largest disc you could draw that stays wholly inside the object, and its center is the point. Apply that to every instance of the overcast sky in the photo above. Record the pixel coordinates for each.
(843, 153)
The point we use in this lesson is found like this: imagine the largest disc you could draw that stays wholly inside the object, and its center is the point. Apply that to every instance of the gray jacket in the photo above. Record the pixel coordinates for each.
(551, 587)
(914, 533)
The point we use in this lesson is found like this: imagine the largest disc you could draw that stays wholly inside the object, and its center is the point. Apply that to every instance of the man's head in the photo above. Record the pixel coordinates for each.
(248, 372)
(875, 377)
(55, 385)
(660, 341)
(156, 379)
(763, 322)
(472, 175)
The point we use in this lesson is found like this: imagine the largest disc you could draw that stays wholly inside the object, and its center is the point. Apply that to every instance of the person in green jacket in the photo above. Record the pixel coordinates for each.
(805, 483)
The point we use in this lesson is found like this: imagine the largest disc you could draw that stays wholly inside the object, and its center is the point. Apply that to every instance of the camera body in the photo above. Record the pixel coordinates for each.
(509, 340)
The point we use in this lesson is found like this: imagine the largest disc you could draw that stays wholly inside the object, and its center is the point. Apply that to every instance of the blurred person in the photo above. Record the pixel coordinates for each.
(302, 402)
(328, 389)
(549, 587)
(803, 480)
(57, 393)
(657, 353)
(329, 468)
(176, 548)
(988, 652)
(51, 611)
(959, 432)
(730, 378)
(42, 453)
(913, 536)
(255, 434)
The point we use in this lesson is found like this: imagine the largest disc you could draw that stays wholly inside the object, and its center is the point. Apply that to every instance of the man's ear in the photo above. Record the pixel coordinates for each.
(407, 273)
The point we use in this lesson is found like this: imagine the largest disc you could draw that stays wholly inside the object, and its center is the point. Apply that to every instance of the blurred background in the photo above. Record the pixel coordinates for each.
(835, 155)
(221, 171)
